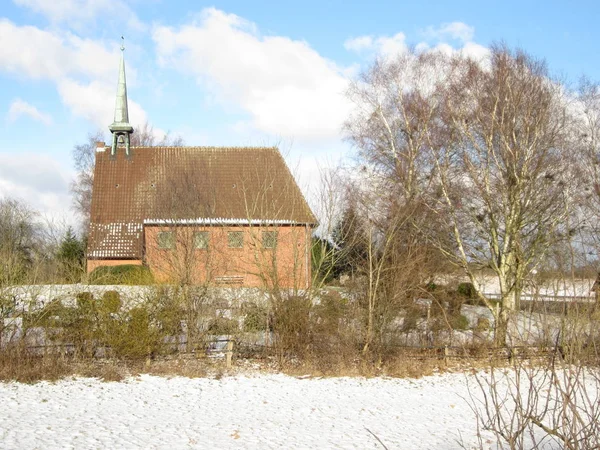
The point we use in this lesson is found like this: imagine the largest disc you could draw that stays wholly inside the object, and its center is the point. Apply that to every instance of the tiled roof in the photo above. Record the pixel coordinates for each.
(200, 185)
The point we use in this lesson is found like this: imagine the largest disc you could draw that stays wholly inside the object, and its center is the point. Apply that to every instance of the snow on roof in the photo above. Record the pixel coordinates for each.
(219, 221)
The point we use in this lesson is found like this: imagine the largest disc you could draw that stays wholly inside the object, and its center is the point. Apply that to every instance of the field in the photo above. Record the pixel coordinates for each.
(255, 406)
(245, 411)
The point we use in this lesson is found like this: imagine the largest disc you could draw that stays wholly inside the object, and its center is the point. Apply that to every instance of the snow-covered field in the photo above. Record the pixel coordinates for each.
(241, 412)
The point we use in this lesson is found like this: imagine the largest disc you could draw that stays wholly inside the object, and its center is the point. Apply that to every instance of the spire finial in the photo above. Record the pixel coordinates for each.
(121, 126)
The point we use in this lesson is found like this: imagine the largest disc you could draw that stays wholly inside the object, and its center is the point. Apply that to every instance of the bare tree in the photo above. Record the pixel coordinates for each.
(505, 182)
(588, 138)
(147, 136)
(397, 112)
(20, 240)
(84, 156)
(548, 400)
(479, 148)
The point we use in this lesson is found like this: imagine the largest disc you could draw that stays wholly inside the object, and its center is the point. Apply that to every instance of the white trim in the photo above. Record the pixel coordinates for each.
(220, 221)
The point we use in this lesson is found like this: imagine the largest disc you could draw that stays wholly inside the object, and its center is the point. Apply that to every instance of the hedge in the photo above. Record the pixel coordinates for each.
(129, 274)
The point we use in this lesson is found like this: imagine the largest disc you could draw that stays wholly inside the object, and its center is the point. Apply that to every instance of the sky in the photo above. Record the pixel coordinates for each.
(234, 72)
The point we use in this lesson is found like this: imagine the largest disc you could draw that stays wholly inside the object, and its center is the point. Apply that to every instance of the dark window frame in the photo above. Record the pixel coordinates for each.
(206, 240)
(162, 244)
(269, 239)
(239, 236)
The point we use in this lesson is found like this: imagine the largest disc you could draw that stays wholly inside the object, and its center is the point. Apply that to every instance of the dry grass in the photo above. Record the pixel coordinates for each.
(31, 369)
(181, 366)
(23, 366)
(399, 366)
(105, 370)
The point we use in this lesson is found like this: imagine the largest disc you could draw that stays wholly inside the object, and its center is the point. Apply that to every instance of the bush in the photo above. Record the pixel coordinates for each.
(85, 301)
(129, 274)
(432, 287)
(460, 322)
(291, 324)
(103, 325)
(256, 318)
(330, 312)
(222, 325)
(111, 302)
(466, 290)
(137, 338)
(483, 324)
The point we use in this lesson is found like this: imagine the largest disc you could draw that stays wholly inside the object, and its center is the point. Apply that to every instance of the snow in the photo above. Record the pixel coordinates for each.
(557, 289)
(549, 290)
(245, 411)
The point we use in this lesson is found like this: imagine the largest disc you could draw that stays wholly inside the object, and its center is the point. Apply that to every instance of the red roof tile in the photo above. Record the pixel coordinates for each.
(187, 184)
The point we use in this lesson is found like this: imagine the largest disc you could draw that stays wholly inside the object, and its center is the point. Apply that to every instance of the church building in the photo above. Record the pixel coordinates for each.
(201, 215)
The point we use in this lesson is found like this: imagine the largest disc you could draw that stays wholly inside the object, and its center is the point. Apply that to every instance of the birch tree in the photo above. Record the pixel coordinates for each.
(480, 148)
(505, 181)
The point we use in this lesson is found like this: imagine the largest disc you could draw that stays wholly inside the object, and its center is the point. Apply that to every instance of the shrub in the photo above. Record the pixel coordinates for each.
(483, 324)
(431, 287)
(134, 335)
(129, 274)
(291, 323)
(256, 318)
(169, 314)
(222, 325)
(330, 312)
(460, 322)
(466, 290)
(111, 302)
(78, 325)
(411, 318)
(454, 303)
(85, 301)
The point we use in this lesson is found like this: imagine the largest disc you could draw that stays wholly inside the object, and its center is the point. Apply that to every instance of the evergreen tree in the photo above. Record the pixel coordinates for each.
(350, 242)
(71, 256)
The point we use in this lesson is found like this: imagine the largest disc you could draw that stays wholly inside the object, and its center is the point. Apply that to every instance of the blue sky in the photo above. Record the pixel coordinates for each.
(233, 72)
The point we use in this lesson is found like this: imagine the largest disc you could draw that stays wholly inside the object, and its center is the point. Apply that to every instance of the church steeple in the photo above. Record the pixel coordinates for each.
(121, 129)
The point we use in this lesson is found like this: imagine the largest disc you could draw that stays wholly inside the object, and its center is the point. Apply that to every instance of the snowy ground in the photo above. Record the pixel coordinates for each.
(242, 412)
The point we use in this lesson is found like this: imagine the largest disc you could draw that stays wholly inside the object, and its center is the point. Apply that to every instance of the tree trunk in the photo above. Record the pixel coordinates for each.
(501, 328)
(508, 306)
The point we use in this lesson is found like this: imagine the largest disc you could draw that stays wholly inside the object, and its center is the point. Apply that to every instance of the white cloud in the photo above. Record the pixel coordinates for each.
(287, 88)
(383, 45)
(454, 30)
(389, 46)
(95, 102)
(36, 179)
(83, 70)
(359, 44)
(475, 51)
(20, 108)
(41, 54)
(77, 13)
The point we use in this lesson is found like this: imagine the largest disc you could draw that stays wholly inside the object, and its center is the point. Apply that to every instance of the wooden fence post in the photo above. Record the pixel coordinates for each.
(229, 353)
